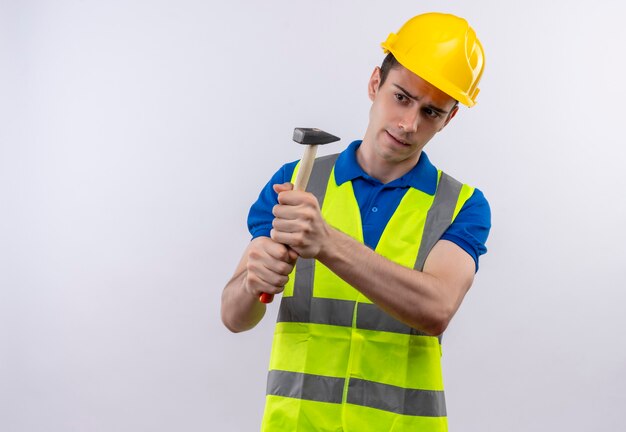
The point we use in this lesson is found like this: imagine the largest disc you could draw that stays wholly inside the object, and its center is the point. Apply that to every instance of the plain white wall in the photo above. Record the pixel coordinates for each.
(136, 134)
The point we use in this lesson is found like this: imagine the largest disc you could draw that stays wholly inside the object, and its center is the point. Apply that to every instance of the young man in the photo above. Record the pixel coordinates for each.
(386, 248)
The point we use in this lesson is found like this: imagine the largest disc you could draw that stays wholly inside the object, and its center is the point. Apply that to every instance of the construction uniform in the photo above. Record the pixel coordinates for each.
(340, 363)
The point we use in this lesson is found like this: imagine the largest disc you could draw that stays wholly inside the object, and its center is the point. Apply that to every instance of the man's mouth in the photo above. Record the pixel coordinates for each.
(398, 140)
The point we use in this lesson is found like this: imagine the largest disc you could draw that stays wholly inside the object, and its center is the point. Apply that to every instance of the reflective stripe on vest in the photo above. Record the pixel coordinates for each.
(341, 363)
(366, 393)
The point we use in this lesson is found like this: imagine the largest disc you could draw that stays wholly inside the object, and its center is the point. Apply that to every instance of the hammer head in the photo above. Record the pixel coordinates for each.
(313, 136)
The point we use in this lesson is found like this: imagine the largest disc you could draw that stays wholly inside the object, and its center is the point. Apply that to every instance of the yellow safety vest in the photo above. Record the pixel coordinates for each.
(338, 362)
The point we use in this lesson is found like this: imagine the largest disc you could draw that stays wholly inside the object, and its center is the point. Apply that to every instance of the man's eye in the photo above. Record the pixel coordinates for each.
(430, 113)
(401, 98)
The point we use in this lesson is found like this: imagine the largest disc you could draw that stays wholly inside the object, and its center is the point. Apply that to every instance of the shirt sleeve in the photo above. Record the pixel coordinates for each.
(260, 216)
(471, 226)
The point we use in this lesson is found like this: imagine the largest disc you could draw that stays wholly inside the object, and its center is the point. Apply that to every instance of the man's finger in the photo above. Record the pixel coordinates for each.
(286, 225)
(293, 255)
(283, 211)
(265, 279)
(279, 252)
(294, 198)
(293, 240)
(282, 187)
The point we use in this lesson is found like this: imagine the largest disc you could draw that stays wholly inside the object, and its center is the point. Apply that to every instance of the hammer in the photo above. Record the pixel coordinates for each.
(311, 138)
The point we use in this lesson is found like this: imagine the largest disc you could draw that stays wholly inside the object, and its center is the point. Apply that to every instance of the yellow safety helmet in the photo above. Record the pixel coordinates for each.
(442, 49)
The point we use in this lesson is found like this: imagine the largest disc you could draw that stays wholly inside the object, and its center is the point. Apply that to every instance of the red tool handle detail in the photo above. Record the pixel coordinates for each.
(266, 298)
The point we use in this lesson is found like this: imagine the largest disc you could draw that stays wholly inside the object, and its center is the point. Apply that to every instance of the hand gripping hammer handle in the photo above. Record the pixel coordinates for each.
(312, 138)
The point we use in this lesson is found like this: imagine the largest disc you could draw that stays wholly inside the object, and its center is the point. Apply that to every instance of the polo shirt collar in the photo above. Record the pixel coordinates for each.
(422, 176)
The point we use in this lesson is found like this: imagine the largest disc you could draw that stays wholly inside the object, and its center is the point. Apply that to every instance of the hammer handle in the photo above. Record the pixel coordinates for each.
(302, 180)
(306, 165)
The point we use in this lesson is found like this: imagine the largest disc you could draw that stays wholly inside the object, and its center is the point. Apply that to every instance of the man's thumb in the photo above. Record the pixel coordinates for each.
(278, 188)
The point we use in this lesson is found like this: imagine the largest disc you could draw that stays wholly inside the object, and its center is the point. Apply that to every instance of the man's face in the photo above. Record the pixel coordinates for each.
(406, 113)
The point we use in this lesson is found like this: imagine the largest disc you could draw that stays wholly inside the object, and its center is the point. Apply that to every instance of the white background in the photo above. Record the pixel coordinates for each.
(134, 136)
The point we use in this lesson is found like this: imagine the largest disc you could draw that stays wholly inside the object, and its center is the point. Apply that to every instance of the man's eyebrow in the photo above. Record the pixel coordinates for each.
(431, 106)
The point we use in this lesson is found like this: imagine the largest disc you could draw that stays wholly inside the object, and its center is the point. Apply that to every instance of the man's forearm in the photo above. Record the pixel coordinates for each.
(418, 299)
(241, 311)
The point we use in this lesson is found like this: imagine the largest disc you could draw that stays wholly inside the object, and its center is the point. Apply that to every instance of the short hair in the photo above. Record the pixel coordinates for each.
(389, 63)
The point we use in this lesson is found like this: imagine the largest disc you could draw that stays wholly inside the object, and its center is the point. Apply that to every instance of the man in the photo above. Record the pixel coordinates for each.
(386, 248)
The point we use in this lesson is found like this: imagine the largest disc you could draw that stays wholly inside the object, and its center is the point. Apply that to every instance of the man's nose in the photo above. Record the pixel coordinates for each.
(409, 121)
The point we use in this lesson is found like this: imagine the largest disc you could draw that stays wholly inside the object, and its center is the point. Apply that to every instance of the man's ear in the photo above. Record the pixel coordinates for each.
(450, 116)
(373, 84)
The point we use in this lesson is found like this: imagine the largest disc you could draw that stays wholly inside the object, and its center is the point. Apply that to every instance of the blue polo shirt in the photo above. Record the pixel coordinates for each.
(379, 201)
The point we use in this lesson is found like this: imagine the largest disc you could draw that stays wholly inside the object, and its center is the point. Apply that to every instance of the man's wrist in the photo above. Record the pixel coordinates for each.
(329, 248)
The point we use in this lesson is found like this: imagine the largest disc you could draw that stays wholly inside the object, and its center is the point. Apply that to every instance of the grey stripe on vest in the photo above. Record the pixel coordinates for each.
(305, 386)
(339, 313)
(428, 403)
(439, 216)
(320, 174)
(316, 311)
(298, 307)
